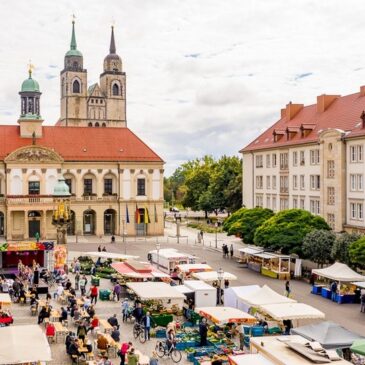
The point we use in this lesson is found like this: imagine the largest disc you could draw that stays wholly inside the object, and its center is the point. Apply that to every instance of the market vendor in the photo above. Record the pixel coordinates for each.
(203, 331)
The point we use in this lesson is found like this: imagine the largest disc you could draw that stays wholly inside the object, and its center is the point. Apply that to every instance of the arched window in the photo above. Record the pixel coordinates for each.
(97, 124)
(90, 124)
(103, 125)
(76, 87)
(115, 89)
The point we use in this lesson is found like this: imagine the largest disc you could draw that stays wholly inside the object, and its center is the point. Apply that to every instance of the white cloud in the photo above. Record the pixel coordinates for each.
(204, 76)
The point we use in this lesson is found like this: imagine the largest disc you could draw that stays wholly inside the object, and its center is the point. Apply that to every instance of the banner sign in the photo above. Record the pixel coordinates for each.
(27, 246)
(60, 256)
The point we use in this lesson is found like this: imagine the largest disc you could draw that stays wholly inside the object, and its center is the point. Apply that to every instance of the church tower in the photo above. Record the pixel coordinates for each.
(113, 87)
(30, 120)
(73, 87)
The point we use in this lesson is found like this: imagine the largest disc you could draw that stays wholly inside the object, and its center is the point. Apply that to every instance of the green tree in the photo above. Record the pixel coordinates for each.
(317, 246)
(340, 249)
(245, 222)
(286, 230)
(357, 252)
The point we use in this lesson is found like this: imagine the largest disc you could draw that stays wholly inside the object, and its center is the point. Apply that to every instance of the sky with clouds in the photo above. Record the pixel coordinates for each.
(203, 76)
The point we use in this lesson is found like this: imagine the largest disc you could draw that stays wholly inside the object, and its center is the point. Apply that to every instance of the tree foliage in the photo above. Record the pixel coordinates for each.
(357, 252)
(285, 231)
(317, 246)
(244, 222)
(340, 249)
(207, 184)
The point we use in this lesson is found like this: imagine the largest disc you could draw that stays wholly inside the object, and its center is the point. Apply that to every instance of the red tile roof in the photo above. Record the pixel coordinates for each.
(343, 113)
(82, 143)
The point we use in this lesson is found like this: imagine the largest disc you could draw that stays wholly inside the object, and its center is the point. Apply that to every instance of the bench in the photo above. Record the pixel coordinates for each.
(106, 325)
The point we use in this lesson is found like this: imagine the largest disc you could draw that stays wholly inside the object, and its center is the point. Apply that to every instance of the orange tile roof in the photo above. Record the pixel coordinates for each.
(343, 113)
(82, 143)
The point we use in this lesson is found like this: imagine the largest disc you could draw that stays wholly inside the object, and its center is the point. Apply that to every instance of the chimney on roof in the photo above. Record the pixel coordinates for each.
(282, 113)
(292, 110)
(362, 90)
(324, 101)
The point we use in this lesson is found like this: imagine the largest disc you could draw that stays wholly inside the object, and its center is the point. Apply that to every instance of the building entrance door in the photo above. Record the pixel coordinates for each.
(2, 224)
(34, 223)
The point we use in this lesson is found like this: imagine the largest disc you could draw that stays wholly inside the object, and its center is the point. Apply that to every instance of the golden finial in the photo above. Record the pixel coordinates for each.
(30, 68)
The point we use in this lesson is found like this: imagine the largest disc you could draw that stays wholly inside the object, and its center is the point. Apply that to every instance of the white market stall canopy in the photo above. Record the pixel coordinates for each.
(283, 311)
(155, 291)
(5, 299)
(339, 272)
(23, 344)
(251, 250)
(249, 359)
(223, 315)
(231, 296)
(262, 296)
(210, 276)
(360, 284)
(111, 255)
(188, 268)
(183, 289)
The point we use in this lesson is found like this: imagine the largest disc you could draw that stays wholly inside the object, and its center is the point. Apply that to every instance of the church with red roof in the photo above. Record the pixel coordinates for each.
(115, 179)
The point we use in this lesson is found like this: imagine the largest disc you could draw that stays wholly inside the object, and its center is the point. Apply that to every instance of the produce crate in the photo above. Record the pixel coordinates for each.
(95, 281)
(257, 331)
(160, 334)
(162, 319)
(104, 294)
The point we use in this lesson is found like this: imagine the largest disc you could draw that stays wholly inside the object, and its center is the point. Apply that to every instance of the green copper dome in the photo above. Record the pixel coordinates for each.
(30, 85)
(73, 52)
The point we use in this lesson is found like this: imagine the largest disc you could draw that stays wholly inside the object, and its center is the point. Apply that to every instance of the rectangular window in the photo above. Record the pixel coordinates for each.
(295, 203)
(274, 182)
(268, 161)
(315, 182)
(259, 182)
(302, 203)
(353, 214)
(360, 211)
(302, 158)
(356, 153)
(283, 161)
(360, 153)
(274, 203)
(141, 187)
(302, 183)
(259, 161)
(268, 201)
(88, 186)
(314, 206)
(314, 157)
(356, 182)
(34, 187)
(295, 182)
(274, 160)
(295, 158)
(69, 184)
(331, 196)
(359, 182)
(108, 186)
(331, 220)
(259, 201)
(268, 182)
(330, 169)
(284, 184)
(353, 184)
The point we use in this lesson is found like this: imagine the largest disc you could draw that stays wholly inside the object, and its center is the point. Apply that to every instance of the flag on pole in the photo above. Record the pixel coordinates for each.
(146, 216)
(137, 215)
(156, 219)
(126, 214)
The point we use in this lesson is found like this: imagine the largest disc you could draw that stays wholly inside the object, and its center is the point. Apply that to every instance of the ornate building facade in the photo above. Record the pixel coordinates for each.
(115, 179)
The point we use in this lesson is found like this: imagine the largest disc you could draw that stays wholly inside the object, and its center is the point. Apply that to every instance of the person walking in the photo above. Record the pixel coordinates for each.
(82, 285)
(287, 289)
(125, 309)
(94, 294)
(333, 291)
(146, 320)
(123, 351)
(117, 291)
(99, 248)
(224, 249)
(231, 250)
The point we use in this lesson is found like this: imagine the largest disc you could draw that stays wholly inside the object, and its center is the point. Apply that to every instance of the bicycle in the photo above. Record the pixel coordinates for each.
(139, 332)
(162, 350)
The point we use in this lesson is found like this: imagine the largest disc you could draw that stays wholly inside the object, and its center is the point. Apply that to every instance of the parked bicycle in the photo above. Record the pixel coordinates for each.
(162, 349)
(138, 332)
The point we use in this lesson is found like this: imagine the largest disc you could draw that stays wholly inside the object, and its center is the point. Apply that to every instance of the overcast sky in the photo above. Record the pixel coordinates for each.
(203, 76)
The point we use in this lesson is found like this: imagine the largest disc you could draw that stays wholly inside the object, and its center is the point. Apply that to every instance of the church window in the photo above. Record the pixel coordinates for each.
(92, 101)
(103, 125)
(115, 89)
(97, 124)
(76, 87)
(96, 101)
(90, 124)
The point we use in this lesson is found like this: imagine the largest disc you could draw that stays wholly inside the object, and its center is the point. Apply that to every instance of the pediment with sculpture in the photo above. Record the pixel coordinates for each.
(33, 154)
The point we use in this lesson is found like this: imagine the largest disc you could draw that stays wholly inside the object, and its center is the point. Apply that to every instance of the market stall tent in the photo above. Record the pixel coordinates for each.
(249, 359)
(262, 296)
(210, 276)
(138, 270)
(111, 255)
(32, 341)
(190, 268)
(157, 291)
(232, 293)
(358, 347)
(330, 335)
(282, 311)
(223, 315)
(339, 272)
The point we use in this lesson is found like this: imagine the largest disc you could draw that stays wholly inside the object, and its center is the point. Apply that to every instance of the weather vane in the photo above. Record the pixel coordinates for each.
(30, 67)
(73, 18)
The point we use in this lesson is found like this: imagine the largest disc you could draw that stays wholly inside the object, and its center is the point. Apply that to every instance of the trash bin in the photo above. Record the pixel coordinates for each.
(104, 294)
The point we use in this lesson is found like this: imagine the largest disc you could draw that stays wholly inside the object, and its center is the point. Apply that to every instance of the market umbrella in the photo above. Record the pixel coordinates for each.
(358, 347)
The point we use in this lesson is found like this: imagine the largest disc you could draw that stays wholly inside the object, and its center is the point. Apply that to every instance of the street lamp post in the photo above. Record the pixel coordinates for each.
(220, 275)
(124, 237)
(216, 231)
(158, 246)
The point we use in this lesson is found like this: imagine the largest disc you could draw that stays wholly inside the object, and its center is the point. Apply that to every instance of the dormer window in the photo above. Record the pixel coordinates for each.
(278, 135)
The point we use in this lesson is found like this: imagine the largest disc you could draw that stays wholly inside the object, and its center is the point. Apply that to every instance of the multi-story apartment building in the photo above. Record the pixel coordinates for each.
(312, 158)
